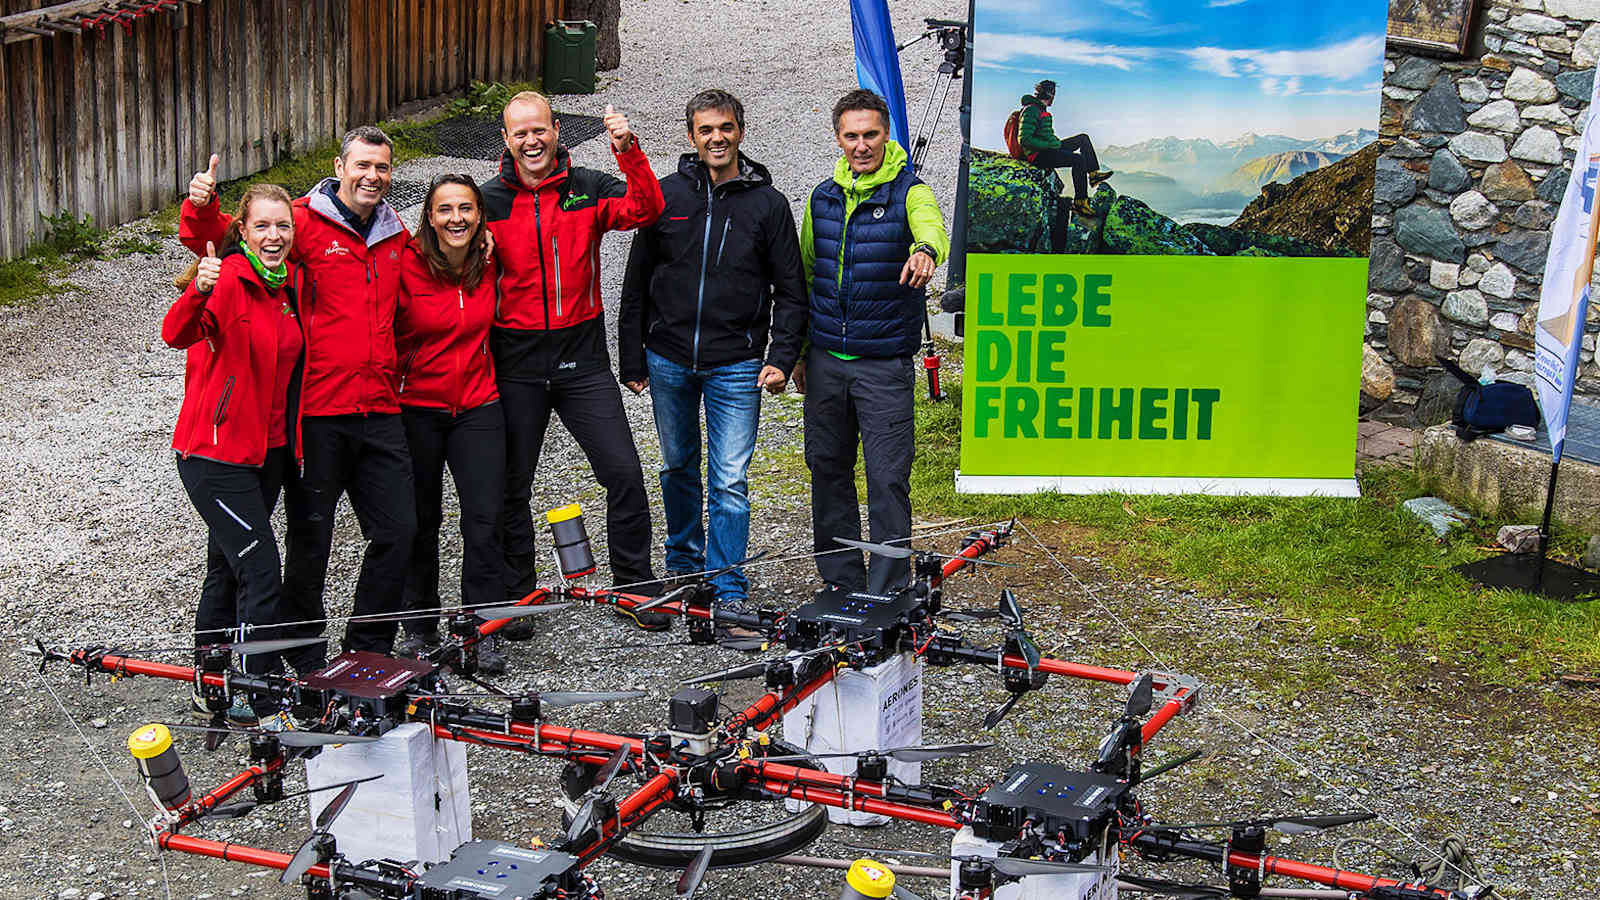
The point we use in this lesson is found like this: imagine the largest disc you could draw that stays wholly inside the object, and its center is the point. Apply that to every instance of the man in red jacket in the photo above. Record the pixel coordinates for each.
(548, 340)
(349, 241)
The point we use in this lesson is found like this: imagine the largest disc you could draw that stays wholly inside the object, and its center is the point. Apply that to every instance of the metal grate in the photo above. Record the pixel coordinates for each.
(478, 137)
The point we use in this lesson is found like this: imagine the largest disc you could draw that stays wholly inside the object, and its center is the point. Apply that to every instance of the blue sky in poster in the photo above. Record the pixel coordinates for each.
(1132, 70)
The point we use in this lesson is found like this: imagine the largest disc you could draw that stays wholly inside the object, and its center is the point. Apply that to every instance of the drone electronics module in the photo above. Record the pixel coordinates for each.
(1040, 821)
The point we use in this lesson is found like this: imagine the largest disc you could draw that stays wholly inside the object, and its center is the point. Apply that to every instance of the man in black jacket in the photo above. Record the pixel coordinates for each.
(703, 285)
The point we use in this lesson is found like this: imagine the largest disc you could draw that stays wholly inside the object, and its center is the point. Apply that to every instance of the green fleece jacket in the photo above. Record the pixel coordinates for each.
(922, 208)
(1036, 131)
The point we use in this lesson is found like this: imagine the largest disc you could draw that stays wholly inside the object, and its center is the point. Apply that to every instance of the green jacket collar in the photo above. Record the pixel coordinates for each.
(894, 160)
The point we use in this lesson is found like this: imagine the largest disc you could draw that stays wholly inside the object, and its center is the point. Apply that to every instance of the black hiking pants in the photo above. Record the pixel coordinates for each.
(1076, 152)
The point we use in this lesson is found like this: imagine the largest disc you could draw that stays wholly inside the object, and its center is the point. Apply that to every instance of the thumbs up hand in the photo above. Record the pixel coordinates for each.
(617, 124)
(210, 270)
(203, 186)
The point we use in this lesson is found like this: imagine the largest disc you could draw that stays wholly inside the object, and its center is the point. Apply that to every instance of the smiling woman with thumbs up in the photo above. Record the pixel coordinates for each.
(237, 435)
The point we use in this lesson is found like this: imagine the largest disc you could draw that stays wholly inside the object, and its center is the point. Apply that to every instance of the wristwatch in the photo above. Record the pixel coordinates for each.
(925, 247)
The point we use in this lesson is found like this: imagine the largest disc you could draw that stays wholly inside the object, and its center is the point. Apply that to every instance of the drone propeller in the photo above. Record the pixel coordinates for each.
(1164, 768)
(1283, 824)
(999, 712)
(554, 699)
(306, 857)
(583, 819)
(689, 881)
(490, 613)
(1141, 696)
(903, 754)
(243, 648)
(296, 739)
(1011, 611)
(1177, 889)
(759, 667)
(236, 810)
(1005, 865)
(890, 551)
(700, 580)
(969, 615)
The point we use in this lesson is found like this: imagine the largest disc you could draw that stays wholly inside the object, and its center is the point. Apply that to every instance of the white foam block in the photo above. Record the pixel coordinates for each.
(421, 809)
(1076, 886)
(867, 709)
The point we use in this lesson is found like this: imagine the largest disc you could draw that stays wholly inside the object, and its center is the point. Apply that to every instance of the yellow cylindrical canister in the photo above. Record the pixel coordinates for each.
(159, 766)
(867, 879)
(573, 554)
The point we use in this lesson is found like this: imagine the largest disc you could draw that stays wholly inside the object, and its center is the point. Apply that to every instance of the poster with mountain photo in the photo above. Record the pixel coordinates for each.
(1207, 114)
(1168, 218)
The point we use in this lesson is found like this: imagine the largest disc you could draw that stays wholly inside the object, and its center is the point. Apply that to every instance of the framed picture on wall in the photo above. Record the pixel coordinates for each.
(1441, 27)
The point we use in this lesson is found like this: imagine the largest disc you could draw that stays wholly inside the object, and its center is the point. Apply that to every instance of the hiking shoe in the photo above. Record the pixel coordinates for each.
(491, 656)
(198, 711)
(278, 722)
(241, 712)
(1100, 176)
(645, 621)
(417, 645)
(737, 636)
(1081, 207)
(521, 629)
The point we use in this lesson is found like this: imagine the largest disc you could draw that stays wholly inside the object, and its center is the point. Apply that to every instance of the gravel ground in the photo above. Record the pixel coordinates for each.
(99, 542)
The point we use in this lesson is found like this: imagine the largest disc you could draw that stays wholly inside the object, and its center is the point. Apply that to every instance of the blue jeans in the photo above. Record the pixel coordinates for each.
(733, 409)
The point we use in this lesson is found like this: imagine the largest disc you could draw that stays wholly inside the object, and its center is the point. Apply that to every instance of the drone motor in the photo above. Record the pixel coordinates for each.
(692, 719)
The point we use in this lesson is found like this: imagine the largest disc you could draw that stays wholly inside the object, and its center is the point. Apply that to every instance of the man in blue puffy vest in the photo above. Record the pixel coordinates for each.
(871, 237)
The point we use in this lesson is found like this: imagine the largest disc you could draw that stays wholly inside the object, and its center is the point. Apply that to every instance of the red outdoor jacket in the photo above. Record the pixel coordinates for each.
(442, 336)
(231, 334)
(347, 307)
(548, 237)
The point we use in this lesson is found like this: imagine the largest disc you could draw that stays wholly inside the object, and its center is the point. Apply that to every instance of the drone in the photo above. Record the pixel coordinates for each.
(1040, 818)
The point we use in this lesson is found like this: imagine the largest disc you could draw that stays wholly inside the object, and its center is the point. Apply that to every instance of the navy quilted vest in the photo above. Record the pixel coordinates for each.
(869, 312)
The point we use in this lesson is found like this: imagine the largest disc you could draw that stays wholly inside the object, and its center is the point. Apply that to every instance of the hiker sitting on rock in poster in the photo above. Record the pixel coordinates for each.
(1036, 134)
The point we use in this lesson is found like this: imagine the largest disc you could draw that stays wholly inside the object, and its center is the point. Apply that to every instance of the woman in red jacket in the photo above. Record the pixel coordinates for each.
(449, 404)
(236, 438)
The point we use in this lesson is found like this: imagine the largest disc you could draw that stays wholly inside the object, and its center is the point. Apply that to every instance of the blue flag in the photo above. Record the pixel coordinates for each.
(878, 62)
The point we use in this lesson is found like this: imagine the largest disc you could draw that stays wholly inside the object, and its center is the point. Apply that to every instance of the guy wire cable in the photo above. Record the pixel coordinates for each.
(1347, 796)
(138, 817)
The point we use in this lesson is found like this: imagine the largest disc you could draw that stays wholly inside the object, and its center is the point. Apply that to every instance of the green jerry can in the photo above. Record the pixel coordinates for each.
(569, 58)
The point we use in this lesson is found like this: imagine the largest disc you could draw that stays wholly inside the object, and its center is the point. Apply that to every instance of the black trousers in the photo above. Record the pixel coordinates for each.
(364, 455)
(1078, 153)
(870, 400)
(242, 584)
(473, 443)
(590, 406)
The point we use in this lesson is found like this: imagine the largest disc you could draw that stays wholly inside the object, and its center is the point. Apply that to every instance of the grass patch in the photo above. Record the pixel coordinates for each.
(1356, 572)
(67, 242)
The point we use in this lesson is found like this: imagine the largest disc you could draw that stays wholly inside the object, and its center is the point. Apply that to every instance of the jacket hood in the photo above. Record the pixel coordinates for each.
(894, 160)
(1031, 100)
(508, 169)
(385, 221)
(751, 173)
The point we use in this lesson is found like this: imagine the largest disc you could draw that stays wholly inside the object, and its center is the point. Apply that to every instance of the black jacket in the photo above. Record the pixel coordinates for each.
(719, 267)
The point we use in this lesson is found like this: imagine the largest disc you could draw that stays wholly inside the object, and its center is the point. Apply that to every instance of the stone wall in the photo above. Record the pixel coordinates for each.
(1476, 159)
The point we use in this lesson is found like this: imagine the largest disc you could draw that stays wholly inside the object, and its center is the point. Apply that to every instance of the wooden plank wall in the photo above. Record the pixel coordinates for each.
(112, 124)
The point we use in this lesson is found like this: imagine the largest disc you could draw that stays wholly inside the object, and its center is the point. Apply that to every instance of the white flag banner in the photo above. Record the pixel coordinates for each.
(1564, 297)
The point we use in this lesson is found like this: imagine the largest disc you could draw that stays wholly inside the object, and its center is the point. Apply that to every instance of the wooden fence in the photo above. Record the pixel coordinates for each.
(112, 119)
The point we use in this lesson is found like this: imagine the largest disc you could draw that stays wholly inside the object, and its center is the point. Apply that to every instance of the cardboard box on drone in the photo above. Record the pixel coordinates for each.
(421, 809)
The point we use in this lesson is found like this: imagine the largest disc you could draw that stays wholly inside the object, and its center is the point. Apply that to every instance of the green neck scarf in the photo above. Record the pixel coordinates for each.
(272, 278)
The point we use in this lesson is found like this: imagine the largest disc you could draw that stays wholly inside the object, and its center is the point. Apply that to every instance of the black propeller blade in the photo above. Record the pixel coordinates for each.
(611, 768)
(242, 647)
(582, 820)
(1169, 766)
(689, 881)
(554, 699)
(296, 739)
(892, 551)
(235, 810)
(759, 667)
(666, 598)
(1011, 611)
(1283, 824)
(1140, 696)
(1000, 712)
(489, 613)
(306, 857)
(903, 754)
(969, 615)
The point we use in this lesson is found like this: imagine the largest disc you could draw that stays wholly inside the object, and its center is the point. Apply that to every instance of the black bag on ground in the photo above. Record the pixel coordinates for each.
(1482, 409)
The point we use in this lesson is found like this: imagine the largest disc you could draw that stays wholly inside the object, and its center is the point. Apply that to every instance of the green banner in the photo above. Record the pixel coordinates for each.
(1161, 367)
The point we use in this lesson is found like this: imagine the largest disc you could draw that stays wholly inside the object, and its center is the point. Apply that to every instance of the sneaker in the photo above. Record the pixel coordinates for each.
(491, 656)
(1081, 207)
(198, 711)
(416, 645)
(645, 621)
(278, 722)
(1100, 176)
(241, 713)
